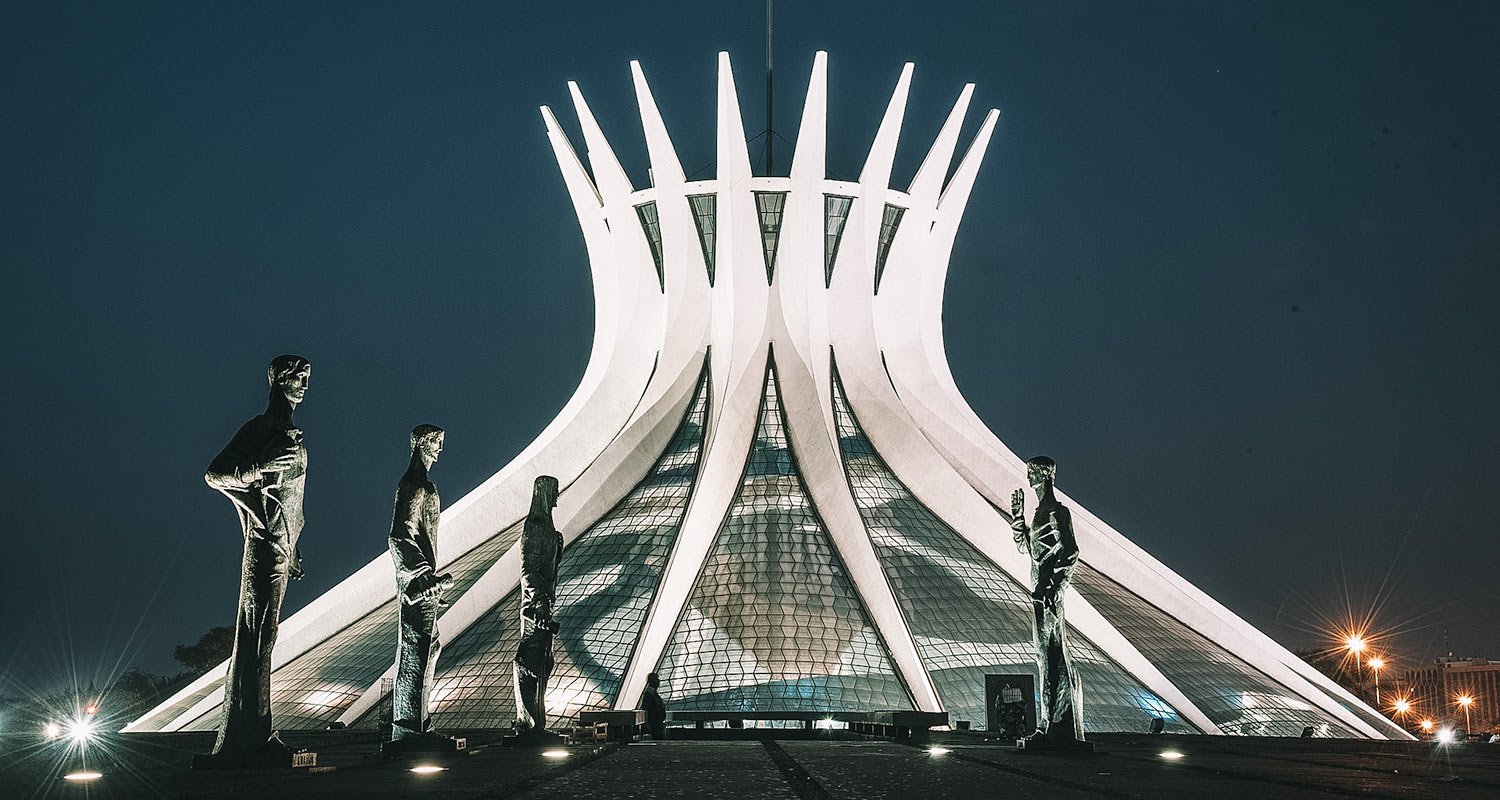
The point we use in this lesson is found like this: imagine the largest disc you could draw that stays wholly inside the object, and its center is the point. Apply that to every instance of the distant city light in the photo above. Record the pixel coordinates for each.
(1170, 755)
(1376, 663)
(1426, 724)
(80, 730)
(83, 776)
(1354, 643)
(51, 730)
(427, 769)
(91, 710)
(1445, 736)
(1465, 700)
(555, 754)
(1401, 706)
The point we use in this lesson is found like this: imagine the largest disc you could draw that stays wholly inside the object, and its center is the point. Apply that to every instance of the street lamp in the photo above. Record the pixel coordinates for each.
(1375, 664)
(1427, 726)
(1466, 701)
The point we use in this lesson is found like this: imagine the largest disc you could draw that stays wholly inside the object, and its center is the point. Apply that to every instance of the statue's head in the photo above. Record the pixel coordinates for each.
(653, 680)
(288, 376)
(544, 493)
(427, 440)
(1041, 473)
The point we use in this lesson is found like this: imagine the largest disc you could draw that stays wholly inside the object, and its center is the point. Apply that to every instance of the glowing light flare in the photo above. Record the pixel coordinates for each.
(83, 776)
(1426, 724)
(1170, 755)
(555, 754)
(80, 730)
(1401, 706)
(427, 769)
(1465, 700)
(938, 751)
(1355, 643)
(91, 710)
(51, 730)
(1375, 663)
(1445, 736)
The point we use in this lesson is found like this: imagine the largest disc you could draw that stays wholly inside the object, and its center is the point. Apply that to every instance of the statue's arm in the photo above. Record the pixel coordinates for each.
(1068, 544)
(237, 466)
(406, 551)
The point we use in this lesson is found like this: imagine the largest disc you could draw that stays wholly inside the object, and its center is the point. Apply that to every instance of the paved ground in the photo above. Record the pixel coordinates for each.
(1126, 766)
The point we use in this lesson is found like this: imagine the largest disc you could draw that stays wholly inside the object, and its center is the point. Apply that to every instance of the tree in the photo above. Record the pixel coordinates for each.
(212, 649)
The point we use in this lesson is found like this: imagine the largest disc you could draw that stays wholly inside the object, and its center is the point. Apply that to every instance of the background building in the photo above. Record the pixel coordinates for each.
(1436, 687)
(773, 493)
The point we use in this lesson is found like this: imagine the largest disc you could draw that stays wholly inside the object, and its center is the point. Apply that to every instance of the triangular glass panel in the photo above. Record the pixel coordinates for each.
(769, 207)
(774, 622)
(651, 224)
(835, 214)
(605, 586)
(1237, 697)
(967, 616)
(704, 209)
(889, 222)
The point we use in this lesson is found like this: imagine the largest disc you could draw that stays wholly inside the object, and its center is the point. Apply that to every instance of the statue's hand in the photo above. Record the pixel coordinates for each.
(423, 587)
(1018, 506)
(295, 571)
(280, 454)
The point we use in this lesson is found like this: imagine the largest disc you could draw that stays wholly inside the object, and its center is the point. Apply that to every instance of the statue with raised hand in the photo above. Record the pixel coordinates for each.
(541, 555)
(262, 471)
(414, 528)
(1053, 550)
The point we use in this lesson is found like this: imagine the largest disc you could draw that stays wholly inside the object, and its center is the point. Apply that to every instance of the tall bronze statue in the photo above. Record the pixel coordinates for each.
(414, 528)
(1049, 541)
(262, 471)
(541, 555)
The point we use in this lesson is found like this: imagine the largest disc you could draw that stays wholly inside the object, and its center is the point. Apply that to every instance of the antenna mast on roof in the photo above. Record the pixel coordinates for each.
(770, 144)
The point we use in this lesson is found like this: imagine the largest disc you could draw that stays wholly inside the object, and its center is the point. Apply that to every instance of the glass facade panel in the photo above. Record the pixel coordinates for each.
(889, 222)
(835, 214)
(967, 616)
(769, 207)
(605, 585)
(651, 224)
(1240, 699)
(181, 707)
(705, 207)
(316, 687)
(774, 622)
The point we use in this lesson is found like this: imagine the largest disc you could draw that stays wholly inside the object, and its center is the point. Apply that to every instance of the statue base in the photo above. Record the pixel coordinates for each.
(1047, 746)
(268, 760)
(534, 737)
(428, 744)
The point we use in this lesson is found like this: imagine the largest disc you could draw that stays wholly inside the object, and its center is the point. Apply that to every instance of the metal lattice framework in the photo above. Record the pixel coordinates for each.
(774, 493)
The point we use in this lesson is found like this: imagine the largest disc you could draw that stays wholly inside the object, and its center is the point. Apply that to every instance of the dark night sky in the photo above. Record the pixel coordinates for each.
(1233, 264)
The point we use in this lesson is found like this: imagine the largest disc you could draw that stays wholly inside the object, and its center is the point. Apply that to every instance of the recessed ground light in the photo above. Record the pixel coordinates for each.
(937, 751)
(555, 754)
(1170, 755)
(83, 776)
(427, 769)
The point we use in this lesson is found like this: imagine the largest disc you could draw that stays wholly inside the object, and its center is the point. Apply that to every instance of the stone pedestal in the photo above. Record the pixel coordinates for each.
(1046, 746)
(431, 744)
(269, 760)
(534, 738)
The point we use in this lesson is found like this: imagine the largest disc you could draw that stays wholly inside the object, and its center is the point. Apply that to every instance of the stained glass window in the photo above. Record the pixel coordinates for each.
(835, 214)
(769, 206)
(1240, 699)
(889, 222)
(652, 226)
(774, 622)
(968, 617)
(704, 208)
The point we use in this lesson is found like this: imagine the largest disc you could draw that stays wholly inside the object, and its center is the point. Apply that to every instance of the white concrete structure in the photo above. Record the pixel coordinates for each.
(774, 494)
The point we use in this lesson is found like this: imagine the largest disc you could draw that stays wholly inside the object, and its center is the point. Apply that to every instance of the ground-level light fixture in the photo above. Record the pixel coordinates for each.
(555, 754)
(427, 769)
(1170, 755)
(938, 751)
(83, 776)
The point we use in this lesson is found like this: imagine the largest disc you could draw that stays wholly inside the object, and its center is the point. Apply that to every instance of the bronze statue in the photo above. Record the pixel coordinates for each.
(1049, 541)
(262, 471)
(541, 555)
(414, 528)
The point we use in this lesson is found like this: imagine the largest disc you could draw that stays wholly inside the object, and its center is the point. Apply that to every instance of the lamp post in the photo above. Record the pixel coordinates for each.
(1466, 701)
(1355, 644)
(1375, 664)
